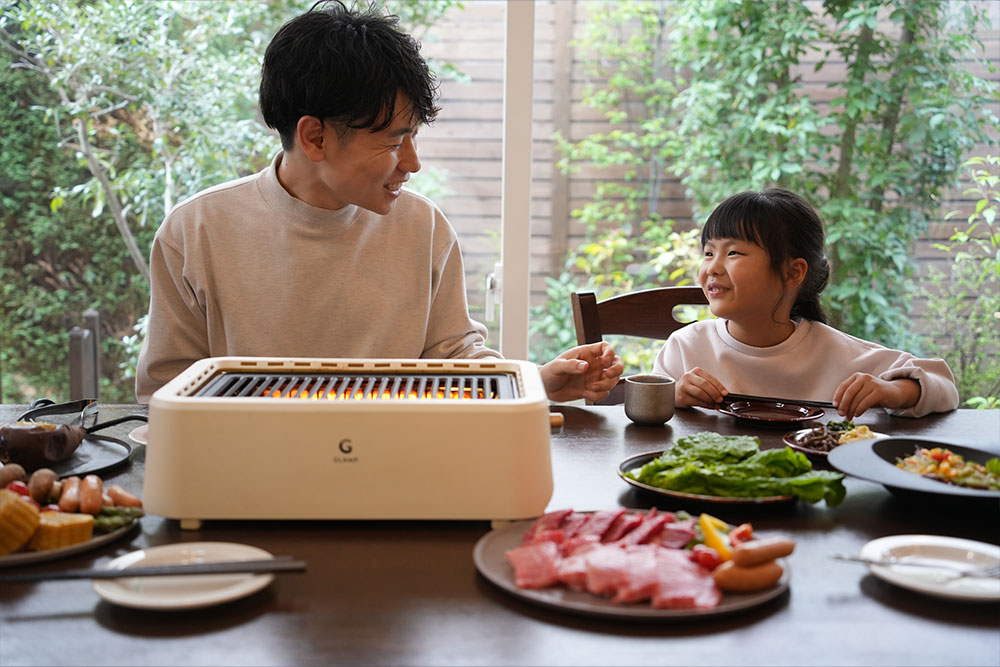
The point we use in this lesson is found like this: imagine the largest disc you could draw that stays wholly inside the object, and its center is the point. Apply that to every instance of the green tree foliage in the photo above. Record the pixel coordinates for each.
(724, 80)
(114, 112)
(964, 303)
(629, 243)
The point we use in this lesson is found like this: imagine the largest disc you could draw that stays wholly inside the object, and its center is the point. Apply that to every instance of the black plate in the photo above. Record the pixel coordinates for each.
(771, 413)
(875, 461)
(96, 454)
(642, 459)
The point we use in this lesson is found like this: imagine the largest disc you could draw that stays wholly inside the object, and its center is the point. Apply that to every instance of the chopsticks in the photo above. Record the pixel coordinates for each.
(732, 398)
(279, 564)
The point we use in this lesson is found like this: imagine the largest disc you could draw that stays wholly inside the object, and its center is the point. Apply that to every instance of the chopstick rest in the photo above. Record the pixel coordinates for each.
(219, 567)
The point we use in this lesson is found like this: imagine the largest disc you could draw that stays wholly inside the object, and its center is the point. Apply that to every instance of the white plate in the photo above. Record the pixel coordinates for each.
(178, 591)
(489, 559)
(949, 551)
(139, 434)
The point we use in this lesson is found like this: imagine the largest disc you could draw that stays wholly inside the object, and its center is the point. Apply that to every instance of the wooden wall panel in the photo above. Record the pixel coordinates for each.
(465, 141)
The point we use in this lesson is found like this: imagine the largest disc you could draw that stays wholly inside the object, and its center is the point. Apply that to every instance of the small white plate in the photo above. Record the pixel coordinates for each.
(139, 434)
(179, 591)
(948, 551)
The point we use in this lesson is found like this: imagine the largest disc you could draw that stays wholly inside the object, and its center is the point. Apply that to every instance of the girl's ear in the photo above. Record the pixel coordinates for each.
(795, 272)
(310, 136)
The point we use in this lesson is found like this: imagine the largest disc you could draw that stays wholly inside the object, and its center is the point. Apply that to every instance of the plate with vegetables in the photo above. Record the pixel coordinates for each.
(911, 466)
(43, 518)
(819, 440)
(709, 467)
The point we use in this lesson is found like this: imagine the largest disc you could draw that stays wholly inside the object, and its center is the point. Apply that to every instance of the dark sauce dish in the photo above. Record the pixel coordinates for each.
(875, 461)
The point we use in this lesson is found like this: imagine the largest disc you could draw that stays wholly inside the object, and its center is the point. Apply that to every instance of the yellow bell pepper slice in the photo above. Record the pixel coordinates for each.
(716, 535)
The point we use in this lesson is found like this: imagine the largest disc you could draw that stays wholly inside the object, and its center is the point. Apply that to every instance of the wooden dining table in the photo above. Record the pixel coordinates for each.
(409, 593)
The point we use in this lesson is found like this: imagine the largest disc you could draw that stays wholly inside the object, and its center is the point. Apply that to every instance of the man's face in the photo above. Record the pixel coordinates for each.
(369, 169)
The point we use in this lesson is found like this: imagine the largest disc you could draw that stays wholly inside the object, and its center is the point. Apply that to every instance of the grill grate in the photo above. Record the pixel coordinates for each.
(358, 386)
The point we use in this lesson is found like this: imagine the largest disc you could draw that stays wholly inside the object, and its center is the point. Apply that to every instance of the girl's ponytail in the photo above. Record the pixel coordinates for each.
(807, 305)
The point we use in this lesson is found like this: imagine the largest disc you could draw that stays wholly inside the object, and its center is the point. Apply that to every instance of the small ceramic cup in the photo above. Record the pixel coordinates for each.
(649, 399)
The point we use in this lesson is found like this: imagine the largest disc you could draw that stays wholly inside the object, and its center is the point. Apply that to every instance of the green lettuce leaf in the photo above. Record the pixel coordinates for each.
(735, 466)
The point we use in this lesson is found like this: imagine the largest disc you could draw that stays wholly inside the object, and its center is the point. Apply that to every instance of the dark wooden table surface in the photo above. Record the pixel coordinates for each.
(407, 593)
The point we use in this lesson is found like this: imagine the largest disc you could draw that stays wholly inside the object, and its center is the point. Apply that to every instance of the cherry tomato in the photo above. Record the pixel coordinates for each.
(740, 534)
(52, 508)
(19, 488)
(705, 556)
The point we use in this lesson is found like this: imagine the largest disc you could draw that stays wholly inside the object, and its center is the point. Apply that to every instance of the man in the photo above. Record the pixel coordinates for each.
(323, 254)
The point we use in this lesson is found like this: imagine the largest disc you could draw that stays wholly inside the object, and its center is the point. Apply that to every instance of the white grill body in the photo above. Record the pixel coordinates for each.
(299, 458)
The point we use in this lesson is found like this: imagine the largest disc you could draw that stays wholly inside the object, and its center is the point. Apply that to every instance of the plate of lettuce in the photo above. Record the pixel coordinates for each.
(732, 469)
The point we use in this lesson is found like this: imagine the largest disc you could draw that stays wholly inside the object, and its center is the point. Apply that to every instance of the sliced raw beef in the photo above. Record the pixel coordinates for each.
(606, 569)
(573, 545)
(572, 569)
(683, 584)
(599, 522)
(572, 524)
(622, 525)
(675, 535)
(548, 521)
(641, 533)
(642, 578)
(534, 564)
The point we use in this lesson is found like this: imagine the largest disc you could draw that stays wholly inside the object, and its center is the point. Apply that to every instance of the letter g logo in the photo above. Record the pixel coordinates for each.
(345, 446)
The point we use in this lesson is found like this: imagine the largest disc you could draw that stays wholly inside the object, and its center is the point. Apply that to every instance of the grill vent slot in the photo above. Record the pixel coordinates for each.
(360, 386)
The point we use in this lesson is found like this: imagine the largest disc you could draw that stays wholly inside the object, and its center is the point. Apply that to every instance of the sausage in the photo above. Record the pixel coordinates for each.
(69, 499)
(91, 489)
(40, 485)
(756, 552)
(123, 498)
(731, 577)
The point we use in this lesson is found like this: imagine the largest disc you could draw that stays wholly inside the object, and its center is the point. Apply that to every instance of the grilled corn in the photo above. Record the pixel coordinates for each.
(18, 521)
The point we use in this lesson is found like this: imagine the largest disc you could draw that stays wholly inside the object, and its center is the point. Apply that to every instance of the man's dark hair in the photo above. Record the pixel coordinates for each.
(345, 66)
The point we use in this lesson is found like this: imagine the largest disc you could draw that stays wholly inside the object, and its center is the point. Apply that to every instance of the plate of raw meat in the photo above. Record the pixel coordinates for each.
(617, 564)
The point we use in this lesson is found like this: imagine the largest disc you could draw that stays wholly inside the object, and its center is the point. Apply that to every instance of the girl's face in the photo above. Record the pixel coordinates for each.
(741, 287)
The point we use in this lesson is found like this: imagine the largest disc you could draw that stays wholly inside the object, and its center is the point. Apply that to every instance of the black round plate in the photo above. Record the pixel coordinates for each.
(771, 413)
(875, 461)
(96, 454)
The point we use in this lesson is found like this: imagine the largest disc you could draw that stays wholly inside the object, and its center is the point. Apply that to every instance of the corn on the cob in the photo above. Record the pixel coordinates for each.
(18, 521)
(58, 529)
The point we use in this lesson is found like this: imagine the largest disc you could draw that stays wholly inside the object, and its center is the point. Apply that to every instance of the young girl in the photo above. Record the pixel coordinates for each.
(763, 271)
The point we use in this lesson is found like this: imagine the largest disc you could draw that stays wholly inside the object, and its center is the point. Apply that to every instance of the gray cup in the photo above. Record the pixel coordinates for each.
(649, 399)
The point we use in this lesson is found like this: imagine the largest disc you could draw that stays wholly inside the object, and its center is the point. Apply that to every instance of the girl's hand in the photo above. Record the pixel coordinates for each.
(863, 390)
(699, 388)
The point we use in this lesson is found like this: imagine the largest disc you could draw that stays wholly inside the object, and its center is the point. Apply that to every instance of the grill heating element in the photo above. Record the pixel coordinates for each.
(272, 438)
(360, 386)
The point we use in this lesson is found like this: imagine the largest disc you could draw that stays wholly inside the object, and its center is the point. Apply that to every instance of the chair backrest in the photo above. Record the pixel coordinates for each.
(647, 313)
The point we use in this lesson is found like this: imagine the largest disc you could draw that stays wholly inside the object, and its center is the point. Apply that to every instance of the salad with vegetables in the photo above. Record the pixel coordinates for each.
(946, 466)
(734, 466)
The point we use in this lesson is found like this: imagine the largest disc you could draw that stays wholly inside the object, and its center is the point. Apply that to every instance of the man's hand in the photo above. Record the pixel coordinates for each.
(862, 391)
(587, 371)
(699, 388)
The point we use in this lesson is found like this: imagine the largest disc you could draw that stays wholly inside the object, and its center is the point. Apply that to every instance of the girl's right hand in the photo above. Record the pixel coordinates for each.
(699, 388)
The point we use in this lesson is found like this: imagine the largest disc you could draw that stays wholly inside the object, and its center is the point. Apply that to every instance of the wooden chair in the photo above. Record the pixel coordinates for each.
(647, 313)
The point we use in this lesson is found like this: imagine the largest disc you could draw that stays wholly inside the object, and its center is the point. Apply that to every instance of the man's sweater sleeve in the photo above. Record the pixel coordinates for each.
(177, 333)
(451, 333)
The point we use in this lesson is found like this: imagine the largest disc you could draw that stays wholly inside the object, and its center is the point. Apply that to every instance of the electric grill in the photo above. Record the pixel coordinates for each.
(274, 438)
